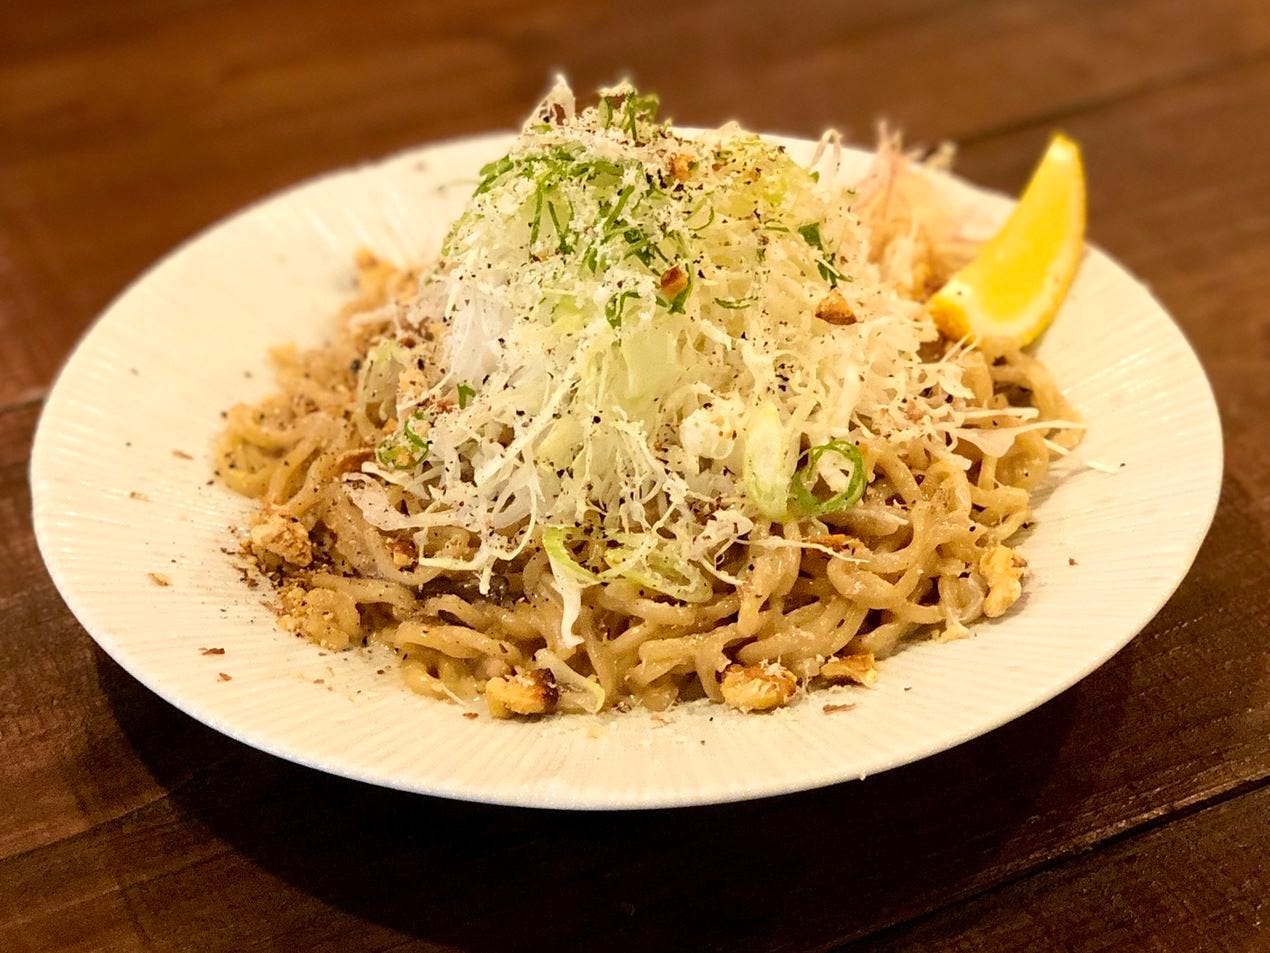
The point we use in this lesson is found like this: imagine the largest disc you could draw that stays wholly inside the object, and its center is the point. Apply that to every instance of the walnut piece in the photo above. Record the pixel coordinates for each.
(532, 692)
(403, 553)
(759, 687)
(324, 616)
(680, 166)
(1002, 569)
(673, 282)
(859, 668)
(834, 309)
(282, 538)
(839, 541)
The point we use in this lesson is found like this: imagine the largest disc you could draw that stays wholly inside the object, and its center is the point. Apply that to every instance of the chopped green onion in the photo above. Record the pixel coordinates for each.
(800, 487)
(665, 574)
(394, 456)
(735, 304)
(555, 544)
(704, 225)
(415, 440)
(768, 463)
(466, 393)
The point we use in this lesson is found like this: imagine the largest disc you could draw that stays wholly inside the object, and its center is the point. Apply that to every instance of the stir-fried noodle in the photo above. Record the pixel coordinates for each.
(666, 420)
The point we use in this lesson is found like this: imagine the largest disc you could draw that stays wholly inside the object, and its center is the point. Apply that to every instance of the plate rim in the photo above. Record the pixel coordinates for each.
(101, 632)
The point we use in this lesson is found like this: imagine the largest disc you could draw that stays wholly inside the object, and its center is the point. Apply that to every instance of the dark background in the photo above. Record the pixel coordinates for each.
(1130, 813)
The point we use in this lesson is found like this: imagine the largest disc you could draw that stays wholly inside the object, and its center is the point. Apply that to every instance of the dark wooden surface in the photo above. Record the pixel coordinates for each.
(1131, 813)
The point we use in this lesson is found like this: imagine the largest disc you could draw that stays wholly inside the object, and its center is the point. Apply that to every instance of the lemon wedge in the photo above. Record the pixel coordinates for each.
(1011, 291)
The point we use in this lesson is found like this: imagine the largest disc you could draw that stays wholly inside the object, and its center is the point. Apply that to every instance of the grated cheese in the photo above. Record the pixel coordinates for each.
(624, 305)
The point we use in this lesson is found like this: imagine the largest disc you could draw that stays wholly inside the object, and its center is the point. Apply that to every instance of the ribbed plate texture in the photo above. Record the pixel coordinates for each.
(190, 338)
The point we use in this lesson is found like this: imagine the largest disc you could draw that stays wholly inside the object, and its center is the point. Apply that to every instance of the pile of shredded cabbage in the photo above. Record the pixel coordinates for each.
(632, 373)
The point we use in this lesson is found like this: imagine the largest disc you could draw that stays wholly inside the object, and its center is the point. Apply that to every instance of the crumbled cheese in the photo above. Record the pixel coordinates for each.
(621, 302)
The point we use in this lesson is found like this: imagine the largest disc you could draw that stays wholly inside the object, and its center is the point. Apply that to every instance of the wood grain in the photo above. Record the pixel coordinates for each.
(122, 133)
(1130, 813)
(148, 825)
(1174, 884)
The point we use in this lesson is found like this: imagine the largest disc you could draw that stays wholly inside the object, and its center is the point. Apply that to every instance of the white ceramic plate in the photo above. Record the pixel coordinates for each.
(190, 338)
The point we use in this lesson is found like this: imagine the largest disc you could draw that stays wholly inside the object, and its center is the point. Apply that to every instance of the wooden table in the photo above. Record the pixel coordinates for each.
(1131, 813)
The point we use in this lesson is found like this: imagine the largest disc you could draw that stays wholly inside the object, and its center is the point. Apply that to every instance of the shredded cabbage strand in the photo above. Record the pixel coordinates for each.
(631, 333)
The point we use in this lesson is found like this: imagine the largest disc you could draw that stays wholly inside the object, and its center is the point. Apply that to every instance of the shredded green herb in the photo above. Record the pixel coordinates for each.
(564, 247)
(811, 235)
(622, 198)
(492, 172)
(825, 267)
(614, 307)
(539, 193)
